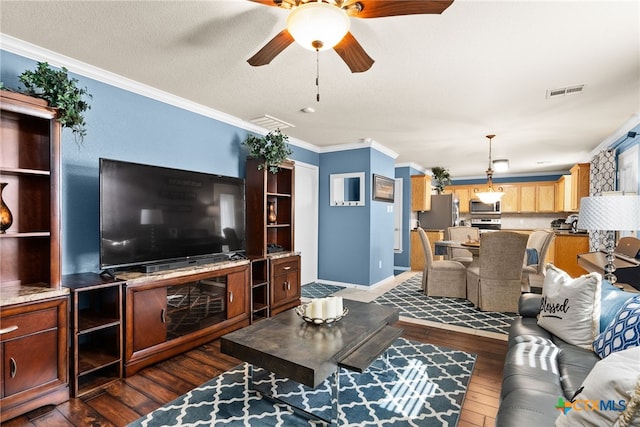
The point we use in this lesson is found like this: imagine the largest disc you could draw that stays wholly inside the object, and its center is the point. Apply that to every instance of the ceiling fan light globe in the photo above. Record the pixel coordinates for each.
(314, 22)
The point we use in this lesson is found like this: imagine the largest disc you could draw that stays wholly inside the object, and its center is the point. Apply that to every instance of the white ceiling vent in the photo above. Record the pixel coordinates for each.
(552, 93)
(270, 122)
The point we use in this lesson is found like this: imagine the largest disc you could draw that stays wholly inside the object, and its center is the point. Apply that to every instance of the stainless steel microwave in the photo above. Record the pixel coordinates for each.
(478, 208)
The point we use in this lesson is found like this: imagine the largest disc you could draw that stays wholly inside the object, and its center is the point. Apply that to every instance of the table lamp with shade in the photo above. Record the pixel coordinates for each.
(610, 214)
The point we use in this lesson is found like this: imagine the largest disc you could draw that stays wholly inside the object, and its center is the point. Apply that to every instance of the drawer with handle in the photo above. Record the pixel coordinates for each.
(28, 323)
(285, 267)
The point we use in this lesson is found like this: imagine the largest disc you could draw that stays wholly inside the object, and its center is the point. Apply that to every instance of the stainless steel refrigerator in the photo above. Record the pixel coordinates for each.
(445, 212)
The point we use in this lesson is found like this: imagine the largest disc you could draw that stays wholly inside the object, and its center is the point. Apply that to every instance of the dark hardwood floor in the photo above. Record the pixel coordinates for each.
(127, 400)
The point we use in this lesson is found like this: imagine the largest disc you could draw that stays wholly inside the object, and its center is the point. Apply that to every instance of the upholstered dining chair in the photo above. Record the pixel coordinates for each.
(442, 278)
(495, 283)
(462, 234)
(533, 273)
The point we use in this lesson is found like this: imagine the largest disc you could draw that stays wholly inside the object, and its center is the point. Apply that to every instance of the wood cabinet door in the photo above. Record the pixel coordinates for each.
(528, 198)
(566, 250)
(420, 193)
(511, 199)
(29, 362)
(149, 312)
(236, 294)
(464, 195)
(546, 197)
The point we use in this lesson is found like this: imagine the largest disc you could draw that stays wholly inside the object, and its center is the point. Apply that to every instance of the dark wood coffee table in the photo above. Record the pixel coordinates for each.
(309, 354)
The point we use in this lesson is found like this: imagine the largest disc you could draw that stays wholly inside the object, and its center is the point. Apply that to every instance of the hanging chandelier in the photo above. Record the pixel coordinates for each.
(490, 195)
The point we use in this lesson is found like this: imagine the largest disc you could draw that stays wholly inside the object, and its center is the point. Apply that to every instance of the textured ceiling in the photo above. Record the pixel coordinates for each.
(440, 83)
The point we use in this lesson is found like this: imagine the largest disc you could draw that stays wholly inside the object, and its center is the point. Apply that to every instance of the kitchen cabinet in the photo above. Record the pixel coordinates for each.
(528, 198)
(510, 202)
(538, 197)
(566, 247)
(579, 184)
(464, 195)
(34, 356)
(168, 313)
(416, 252)
(546, 197)
(420, 193)
(285, 283)
(96, 331)
(563, 194)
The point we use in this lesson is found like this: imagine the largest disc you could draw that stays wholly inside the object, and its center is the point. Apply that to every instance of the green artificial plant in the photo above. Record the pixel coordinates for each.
(273, 149)
(62, 93)
(441, 177)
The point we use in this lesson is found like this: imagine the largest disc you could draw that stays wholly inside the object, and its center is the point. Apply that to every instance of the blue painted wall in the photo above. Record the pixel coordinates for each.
(126, 126)
(343, 243)
(355, 240)
(381, 224)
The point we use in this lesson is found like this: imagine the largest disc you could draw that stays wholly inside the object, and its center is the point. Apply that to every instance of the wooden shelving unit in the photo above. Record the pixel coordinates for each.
(275, 266)
(96, 331)
(260, 291)
(30, 258)
(30, 147)
(265, 188)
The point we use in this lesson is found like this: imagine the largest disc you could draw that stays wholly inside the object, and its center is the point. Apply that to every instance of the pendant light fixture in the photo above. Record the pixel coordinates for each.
(490, 195)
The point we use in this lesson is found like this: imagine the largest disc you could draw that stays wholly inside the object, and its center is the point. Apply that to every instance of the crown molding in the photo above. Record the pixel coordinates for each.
(364, 143)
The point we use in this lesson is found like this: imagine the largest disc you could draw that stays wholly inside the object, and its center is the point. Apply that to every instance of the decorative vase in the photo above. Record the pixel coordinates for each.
(271, 215)
(6, 218)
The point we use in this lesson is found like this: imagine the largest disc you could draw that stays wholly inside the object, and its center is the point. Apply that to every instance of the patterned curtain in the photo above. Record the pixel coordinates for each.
(602, 177)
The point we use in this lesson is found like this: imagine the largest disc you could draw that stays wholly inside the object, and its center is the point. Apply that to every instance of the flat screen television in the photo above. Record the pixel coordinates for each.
(151, 215)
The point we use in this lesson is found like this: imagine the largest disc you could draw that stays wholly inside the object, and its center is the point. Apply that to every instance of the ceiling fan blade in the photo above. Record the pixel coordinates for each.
(382, 8)
(266, 2)
(353, 54)
(271, 49)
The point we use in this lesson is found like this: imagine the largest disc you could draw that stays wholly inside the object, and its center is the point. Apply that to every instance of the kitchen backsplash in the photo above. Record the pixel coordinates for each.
(527, 221)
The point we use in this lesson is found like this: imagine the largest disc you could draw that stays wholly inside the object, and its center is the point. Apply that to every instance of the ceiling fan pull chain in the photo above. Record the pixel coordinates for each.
(317, 75)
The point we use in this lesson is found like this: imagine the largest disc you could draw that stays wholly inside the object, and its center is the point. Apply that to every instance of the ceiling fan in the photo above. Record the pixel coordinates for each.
(333, 15)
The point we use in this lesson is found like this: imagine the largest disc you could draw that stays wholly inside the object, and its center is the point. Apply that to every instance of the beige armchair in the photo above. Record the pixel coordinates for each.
(462, 235)
(533, 275)
(442, 278)
(495, 283)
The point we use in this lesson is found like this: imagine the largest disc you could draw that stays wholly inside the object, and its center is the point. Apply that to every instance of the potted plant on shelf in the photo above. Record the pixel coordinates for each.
(272, 149)
(441, 177)
(62, 93)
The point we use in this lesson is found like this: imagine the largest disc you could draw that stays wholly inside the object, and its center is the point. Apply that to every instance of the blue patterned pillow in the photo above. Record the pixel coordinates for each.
(623, 332)
(611, 299)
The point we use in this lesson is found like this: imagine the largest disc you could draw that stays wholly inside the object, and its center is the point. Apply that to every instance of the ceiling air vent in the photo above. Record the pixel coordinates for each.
(552, 93)
(270, 122)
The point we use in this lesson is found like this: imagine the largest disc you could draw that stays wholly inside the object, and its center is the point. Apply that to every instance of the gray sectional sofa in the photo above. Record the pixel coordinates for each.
(539, 369)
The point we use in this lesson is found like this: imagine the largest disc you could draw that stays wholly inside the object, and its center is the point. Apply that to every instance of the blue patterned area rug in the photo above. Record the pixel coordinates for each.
(425, 385)
(412, 302)
(319, 290)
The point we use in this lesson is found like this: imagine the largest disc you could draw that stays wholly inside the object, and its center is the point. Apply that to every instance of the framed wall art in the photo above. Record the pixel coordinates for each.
(383, 188)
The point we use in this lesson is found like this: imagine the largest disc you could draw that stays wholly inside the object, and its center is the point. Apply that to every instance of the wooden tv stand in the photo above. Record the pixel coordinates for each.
(170, 312)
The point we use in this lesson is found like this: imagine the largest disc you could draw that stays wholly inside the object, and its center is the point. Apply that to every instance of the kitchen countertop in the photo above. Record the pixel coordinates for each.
(18, 294)
(569, 233)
